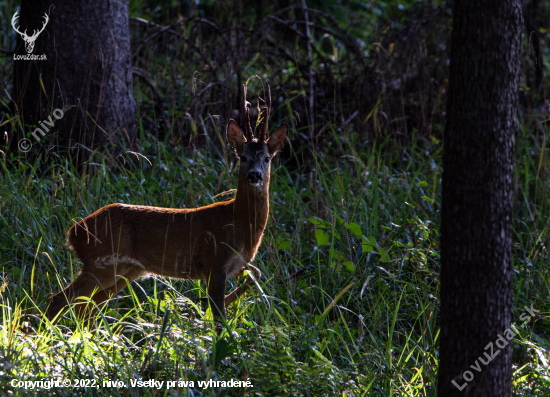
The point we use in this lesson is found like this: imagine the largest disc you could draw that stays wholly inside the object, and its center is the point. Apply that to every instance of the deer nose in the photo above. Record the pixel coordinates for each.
(254, 177)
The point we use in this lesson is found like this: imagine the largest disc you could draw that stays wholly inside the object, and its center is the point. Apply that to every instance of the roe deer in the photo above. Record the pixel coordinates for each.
(122, 242)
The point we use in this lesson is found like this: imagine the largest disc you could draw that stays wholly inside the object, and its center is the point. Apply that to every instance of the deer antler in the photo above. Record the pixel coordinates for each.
(246, 117)
(266, 112)
(14, 21)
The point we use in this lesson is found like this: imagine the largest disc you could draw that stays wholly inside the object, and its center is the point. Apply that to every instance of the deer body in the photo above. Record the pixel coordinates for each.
(122, 242)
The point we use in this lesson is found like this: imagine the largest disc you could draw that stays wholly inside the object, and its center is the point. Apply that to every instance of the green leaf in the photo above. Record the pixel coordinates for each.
(339, 220)
(423, 184)
(368, 244)
(383, 254)
(355, 229)
(367, 247)
(349, 265)
(320, 223)
(321, 237)
(283, 244)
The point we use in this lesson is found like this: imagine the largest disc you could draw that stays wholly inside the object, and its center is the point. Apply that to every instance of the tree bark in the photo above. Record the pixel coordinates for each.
(476, 219)
(87, 44)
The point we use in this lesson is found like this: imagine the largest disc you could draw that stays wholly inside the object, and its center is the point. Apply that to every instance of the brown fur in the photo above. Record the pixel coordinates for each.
(209, 243)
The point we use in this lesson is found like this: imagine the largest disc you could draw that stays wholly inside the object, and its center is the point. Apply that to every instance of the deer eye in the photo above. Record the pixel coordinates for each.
(244, 159)
(267, 159)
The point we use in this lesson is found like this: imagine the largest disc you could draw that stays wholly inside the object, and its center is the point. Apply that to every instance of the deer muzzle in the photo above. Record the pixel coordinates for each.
(254, 178)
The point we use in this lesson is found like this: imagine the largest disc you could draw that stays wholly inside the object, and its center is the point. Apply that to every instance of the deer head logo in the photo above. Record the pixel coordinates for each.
(29, 40)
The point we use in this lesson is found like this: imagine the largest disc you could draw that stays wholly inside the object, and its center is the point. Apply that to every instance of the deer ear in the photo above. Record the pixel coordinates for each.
(235, 136)
(277, 140)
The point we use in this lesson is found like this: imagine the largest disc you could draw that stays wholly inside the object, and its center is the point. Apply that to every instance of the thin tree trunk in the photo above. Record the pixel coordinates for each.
(310, 73)
(531, 11)
(87, 44)
(476, 219)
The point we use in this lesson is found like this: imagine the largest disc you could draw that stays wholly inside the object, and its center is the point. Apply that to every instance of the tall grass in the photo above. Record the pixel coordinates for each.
(348, 303)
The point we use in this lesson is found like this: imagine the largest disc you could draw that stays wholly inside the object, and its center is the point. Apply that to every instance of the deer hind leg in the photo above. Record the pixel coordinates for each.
(101, 296)
(83, 285)
(97, 283)
(236, 293)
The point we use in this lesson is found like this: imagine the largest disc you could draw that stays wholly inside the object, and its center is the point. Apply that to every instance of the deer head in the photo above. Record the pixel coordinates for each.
(255, 154)
(29, 40)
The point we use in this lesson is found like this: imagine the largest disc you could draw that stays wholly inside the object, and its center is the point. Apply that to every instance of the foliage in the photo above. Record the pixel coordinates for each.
(349, 294)
(335, 315)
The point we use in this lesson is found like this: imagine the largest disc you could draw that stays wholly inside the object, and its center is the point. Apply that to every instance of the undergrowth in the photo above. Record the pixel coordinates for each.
(348, 303)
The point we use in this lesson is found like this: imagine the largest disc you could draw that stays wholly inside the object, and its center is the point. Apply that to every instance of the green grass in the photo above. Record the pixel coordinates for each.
(349, 298)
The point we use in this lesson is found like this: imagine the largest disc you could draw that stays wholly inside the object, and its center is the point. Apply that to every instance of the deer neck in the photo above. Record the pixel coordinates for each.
(251, 211)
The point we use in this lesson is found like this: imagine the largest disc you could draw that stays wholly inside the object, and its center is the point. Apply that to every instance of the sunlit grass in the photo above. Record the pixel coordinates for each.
(350, 264)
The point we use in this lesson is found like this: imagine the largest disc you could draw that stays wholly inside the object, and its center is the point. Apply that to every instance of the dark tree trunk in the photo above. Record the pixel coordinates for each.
(87, 44)
(476, 219)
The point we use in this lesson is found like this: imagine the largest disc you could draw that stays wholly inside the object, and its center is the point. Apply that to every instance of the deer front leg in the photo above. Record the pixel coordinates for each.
(236, 293)
(216, 292)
